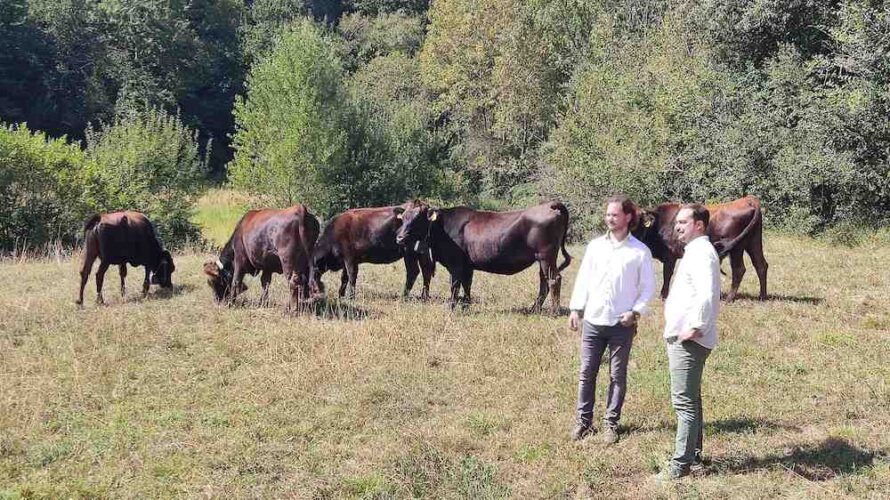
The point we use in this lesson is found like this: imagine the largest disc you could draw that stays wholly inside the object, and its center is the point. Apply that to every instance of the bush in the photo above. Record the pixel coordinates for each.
(41, 184)
(147, 162)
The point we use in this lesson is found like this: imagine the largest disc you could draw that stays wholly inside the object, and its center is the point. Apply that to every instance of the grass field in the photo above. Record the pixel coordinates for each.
(174, 396)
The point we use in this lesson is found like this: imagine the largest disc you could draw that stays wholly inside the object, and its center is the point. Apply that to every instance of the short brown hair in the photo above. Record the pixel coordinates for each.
(628, 207)
(699, 212)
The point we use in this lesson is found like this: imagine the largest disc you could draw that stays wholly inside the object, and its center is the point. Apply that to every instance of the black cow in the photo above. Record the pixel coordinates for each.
(122, 238)
(266, 241)
(367, 235)
(464, 240)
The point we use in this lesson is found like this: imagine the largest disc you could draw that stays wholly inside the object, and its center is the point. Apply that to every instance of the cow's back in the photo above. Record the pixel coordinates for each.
(126, 237)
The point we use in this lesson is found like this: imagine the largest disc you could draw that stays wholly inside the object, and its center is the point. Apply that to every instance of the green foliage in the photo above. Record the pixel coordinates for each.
(147, 162)
(290, 139)
(40, 188)
(368, 37)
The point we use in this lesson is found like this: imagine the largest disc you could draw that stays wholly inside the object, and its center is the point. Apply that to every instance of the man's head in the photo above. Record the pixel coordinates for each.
(692, 222)
(621, 214)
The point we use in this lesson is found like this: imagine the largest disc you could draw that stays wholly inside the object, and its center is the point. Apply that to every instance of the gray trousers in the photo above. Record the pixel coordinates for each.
(594, 339)
(687, 362)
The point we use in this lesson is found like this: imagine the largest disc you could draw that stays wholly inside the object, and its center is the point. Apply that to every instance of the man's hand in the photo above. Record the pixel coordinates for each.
(688, 335)
(628, 319)
(574, 320)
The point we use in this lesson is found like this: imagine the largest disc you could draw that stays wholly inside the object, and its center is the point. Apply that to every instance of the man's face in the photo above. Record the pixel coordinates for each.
(616, 219)
(686, 228)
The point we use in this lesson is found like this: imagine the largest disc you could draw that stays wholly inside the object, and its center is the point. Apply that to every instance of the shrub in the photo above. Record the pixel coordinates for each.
(41, 185)
(147, 162)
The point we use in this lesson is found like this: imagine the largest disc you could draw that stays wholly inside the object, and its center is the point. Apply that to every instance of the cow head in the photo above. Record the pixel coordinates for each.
(163, 273)
(415, 230)
(220, 279)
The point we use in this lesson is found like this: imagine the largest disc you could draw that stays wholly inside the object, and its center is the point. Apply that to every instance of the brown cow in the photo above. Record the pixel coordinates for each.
(367, 235)
(735, 228)
(266, 241)
(122, 238)
(463, 240)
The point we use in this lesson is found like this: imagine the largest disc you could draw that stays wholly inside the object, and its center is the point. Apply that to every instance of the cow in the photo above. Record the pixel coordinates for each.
(464, 240)
(735, 228)
(367, 235)
(121, 238)
(266, 241)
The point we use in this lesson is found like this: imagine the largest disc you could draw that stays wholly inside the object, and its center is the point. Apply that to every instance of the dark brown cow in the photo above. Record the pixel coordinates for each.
(122, 238)
(464, 240)
(735, 228)
(367, 235)
(266, 241)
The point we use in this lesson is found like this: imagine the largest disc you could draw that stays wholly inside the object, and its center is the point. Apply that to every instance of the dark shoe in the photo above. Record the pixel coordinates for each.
(581, 431)
(698, 463)
(610, 434)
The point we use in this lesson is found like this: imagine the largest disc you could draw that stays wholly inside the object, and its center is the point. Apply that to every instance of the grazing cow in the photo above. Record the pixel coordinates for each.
(122, 238)
(367, 235)
(464, 240)
(735, 228)
(266, 241)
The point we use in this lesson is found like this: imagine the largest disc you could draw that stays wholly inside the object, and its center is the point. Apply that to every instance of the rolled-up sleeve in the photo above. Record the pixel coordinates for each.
(582, 279)
(646, 284)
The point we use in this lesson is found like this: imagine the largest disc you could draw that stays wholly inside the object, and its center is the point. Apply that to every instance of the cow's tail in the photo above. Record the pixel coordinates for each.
(562, 244)
(91, 222)
(755, 220)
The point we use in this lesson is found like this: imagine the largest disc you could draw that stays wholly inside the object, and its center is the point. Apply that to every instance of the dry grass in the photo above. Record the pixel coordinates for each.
(175, 396)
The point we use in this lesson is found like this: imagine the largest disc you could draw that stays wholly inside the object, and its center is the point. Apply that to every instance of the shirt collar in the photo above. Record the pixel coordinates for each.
(615, 243)
(698, 240)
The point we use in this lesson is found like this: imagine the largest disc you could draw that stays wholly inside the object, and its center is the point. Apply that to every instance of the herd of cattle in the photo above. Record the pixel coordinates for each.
(463, 240)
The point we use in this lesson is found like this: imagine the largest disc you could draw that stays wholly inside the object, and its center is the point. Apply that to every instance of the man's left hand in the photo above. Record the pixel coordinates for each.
(628, 319)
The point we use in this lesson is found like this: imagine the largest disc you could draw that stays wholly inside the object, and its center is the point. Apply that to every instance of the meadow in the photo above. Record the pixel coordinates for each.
(378, 397)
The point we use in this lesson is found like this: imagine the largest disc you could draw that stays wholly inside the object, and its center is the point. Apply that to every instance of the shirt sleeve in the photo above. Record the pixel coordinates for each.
(580, 289)
(703, 275)
(646, 285)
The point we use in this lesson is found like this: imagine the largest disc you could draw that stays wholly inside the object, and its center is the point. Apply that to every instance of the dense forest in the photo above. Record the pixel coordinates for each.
(142, 104)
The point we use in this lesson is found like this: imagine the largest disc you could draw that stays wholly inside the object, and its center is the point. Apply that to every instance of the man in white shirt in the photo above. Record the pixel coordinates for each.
(690, 313)
(612, 289)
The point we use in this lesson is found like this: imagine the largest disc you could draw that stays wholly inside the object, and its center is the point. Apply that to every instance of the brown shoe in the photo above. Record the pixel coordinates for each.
(610, 435)
(581, 431)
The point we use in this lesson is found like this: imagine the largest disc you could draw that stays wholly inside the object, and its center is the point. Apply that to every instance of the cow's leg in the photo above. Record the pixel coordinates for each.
(755, 251)
(455, 289)
(412, 269)
(147, 283)
(427, 267)
(265, 279)
(85, 269)
(351, 268)
(237, 282)
(668, 271)
(344, 282)
(737, 263)
(555, 282)
(123, 273)
(100, 279)
(543, 287)
(467, 282)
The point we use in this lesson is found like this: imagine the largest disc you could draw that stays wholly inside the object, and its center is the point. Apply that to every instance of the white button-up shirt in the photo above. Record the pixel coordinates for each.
(694, 298)
(615, 277)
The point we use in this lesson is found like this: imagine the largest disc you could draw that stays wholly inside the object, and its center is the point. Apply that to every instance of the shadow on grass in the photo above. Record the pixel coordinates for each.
(821, 462)
(543, 311)
(158, 293)
(324, 308)
(778, 298)
(726, 426)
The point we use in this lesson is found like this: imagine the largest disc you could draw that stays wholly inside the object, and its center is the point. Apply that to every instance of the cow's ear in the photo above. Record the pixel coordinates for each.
(399, 211)
(211, 269)
(434, 214)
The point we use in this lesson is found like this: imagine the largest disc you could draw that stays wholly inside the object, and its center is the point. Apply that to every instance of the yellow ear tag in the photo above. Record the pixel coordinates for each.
(434, 216)
(400, 216)
(648, 223)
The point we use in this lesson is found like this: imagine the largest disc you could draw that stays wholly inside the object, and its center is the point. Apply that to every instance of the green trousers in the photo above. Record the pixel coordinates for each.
(687, 362)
